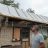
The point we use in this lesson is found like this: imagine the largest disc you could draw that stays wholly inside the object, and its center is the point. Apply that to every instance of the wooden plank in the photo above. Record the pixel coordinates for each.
(17, 33)
(25, 44)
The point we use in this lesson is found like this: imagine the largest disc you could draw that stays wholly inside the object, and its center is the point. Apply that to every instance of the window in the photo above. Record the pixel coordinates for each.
(25, 33)
(16, 34)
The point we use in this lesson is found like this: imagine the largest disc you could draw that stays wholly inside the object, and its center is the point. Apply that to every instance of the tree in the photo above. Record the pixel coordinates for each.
(16, 5)
(7, 2)
(30, 10)
(10, 2)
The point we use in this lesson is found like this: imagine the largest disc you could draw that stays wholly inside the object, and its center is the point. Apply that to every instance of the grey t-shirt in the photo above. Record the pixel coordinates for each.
(36, 40)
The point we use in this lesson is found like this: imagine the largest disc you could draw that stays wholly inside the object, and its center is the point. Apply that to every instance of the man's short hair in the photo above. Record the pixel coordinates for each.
(36, 26)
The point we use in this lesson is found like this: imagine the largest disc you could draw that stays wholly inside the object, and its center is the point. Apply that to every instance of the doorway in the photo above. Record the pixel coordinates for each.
(25, 39)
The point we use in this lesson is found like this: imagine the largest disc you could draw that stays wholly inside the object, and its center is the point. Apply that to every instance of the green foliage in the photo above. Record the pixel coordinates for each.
(8, 2)
(30, 10)
(45, 37)
(16, 5)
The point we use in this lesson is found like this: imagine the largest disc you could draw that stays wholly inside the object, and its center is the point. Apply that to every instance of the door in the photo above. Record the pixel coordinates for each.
(25, 37)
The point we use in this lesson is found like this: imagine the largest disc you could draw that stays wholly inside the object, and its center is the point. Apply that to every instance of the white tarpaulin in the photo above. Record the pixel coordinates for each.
(21, 14)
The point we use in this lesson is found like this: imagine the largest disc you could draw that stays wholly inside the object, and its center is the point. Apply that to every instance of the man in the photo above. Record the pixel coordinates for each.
(37, 40)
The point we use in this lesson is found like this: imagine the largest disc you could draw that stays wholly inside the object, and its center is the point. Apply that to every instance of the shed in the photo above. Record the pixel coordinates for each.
(15, 26)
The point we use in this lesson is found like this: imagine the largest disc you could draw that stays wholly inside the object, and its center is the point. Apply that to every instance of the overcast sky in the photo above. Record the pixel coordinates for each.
(39, 6)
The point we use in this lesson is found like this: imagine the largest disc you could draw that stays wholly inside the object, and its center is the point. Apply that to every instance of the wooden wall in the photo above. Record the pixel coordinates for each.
(6, 36)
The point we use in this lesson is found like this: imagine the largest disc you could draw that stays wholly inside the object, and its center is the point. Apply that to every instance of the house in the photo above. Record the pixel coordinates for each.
(15, 26)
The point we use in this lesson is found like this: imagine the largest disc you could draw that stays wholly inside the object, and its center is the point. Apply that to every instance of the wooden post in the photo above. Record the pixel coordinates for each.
(6, 22)
(41, 28)
(13, 31)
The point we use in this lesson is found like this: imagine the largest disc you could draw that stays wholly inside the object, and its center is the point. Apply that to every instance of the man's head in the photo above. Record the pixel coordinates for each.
(35, 28)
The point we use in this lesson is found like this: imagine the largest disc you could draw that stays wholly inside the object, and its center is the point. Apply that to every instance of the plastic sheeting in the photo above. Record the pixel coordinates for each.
(21, 14)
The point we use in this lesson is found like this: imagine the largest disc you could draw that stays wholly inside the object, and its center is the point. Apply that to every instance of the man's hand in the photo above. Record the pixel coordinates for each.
(42, 45)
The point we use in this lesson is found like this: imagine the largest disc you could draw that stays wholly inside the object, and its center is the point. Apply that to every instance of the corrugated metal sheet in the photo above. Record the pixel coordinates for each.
(45, 20)
(19, 13)
(35, 17)
(27, 15)
(4, 9)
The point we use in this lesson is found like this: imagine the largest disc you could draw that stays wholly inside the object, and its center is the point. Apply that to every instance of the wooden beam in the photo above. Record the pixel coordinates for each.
(23, 22)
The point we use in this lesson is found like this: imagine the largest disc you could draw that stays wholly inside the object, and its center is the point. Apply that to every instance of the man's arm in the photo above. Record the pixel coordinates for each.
(41, 40)
(42, 45)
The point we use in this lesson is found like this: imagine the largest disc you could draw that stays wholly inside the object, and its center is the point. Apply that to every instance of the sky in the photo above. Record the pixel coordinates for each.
(39, 6)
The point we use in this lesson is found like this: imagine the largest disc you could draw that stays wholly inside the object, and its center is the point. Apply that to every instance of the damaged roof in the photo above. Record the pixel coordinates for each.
(21, 14)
